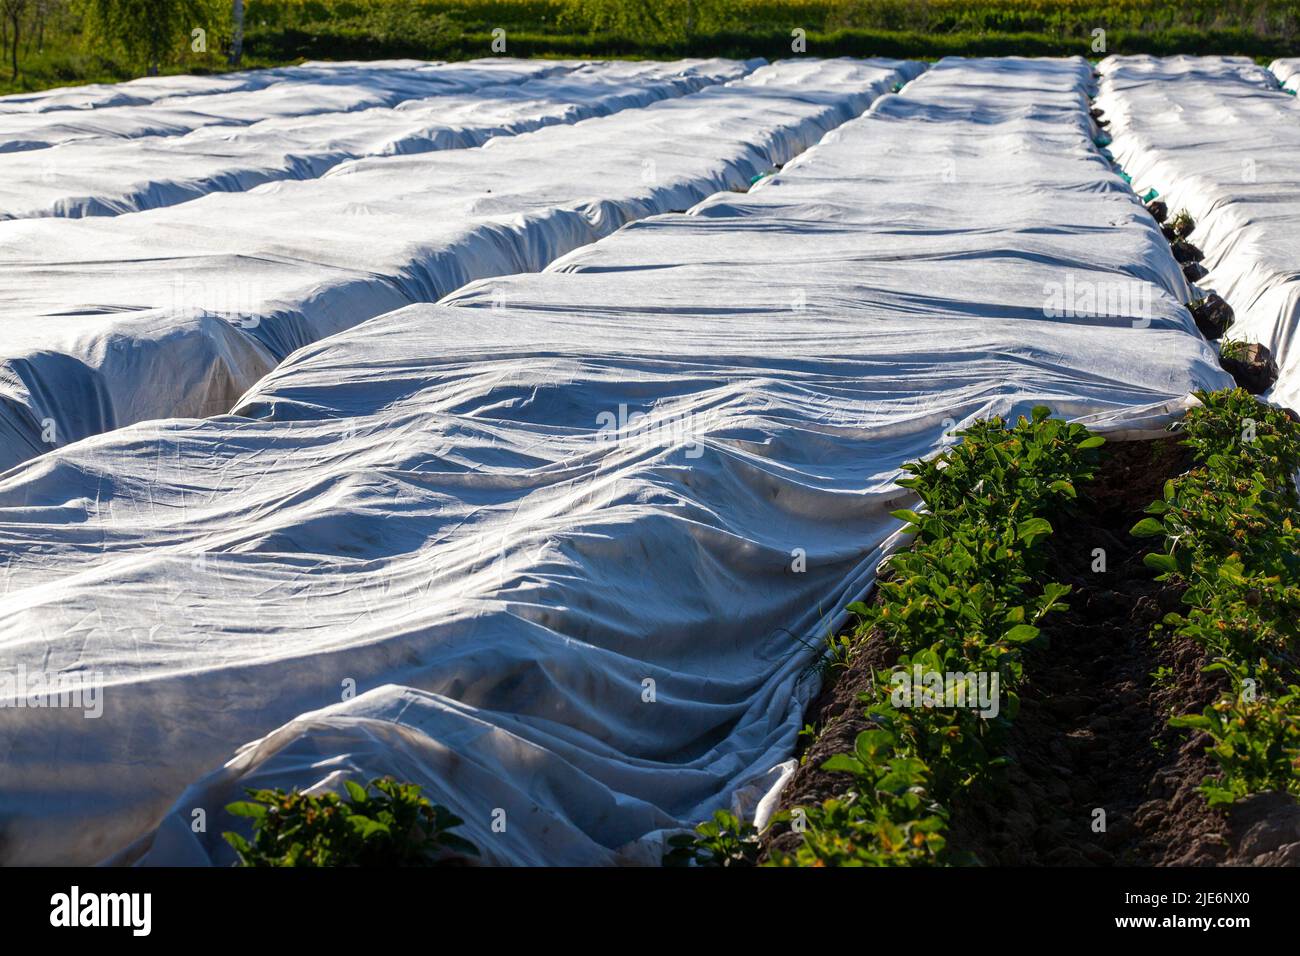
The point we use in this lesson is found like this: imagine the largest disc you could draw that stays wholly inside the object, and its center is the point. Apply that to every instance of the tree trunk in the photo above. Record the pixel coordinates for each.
(237, 33)
(14, 58)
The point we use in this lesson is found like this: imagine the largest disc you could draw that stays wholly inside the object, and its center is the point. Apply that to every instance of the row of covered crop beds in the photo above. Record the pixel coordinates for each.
(271, 216)
(1215, 136)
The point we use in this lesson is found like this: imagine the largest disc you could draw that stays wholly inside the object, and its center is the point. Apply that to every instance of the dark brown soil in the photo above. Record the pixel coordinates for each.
(1091, 735)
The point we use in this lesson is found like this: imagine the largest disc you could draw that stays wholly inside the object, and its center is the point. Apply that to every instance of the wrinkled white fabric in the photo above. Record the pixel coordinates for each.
(92, 177)
(176, 311)
(150, 89)
(1214, 136)
(288, 92)
(573, 538)
(141, 91)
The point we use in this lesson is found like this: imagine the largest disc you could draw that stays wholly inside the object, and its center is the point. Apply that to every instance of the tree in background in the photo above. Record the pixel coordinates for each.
(43, 11)
(236, 32)
(22, 28)
(151, 32)
(14, 14)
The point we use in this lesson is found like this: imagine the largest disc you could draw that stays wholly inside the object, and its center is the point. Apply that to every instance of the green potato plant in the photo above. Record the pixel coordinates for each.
(725, 840)
(1256, 738)
(395, 826)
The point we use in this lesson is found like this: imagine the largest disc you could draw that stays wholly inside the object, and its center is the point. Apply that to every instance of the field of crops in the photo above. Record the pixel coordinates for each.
(709, 462)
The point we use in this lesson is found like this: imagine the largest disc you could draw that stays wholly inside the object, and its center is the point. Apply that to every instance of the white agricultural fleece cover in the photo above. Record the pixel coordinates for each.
(670, 458)
(292, 91)
(1215, 136)
(150, 89)
(177, 311)
(94, 177)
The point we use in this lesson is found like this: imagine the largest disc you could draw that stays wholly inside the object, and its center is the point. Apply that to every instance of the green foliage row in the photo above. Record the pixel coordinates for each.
(327, 41)
(967, 597)
(394, 826)
(1231, 539)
